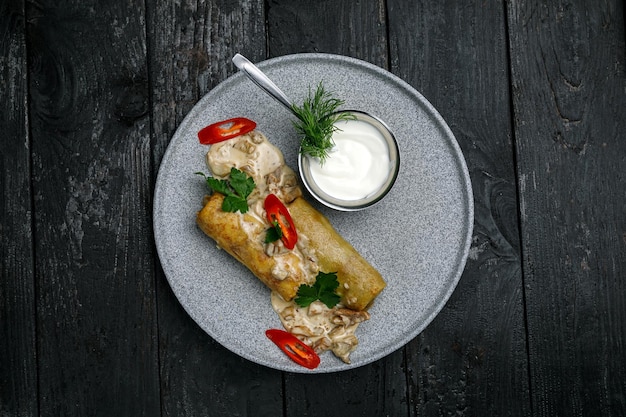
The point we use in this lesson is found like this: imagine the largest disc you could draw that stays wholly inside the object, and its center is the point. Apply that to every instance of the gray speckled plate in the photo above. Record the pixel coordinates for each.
(418, 237)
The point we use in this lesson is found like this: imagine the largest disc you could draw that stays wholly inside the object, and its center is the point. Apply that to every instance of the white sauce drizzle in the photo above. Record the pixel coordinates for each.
(318, 326)
(321, 327)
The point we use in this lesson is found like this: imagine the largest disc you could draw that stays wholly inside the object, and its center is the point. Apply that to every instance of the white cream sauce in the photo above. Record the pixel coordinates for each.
(321, 327)
(357, 166)
(251, 153)
(317, 325)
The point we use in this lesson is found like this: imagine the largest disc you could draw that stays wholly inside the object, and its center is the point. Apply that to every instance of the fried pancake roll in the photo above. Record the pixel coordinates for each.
(359, 282)
(319, 248)
(241, 235)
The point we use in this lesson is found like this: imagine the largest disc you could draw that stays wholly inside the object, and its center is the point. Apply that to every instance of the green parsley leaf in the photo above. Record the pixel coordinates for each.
(233, 203)
(323, 290)
(273, 233)
(241, 183)
(306, 295)
(236, 190)
(219, 186)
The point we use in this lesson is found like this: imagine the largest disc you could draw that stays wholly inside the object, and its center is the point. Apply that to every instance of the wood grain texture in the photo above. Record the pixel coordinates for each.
(569, 98)
(91, 93)
(91, 181)
(355, 29)
(18, 371)
(190, 49)
(471, 360)
(377, 389)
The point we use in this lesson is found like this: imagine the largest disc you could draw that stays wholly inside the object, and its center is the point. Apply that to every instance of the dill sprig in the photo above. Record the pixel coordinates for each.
(316, 122)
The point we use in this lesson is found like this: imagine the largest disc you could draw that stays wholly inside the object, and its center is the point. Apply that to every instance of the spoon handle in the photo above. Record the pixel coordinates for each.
(262, 80)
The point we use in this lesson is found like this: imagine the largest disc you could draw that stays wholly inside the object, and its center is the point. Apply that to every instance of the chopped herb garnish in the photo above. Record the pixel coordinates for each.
(316, 124)
(274, 233)
(235, 188)
(323, 290)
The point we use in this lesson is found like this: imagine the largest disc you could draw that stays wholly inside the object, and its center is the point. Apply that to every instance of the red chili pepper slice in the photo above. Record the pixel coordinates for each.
(226, 129)
(293, 347)
(278, 213)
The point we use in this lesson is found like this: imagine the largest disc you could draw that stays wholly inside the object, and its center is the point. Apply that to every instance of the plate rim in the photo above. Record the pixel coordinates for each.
(458, 157)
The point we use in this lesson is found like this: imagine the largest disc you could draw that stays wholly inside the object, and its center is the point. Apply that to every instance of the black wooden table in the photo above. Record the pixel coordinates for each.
(91, 94)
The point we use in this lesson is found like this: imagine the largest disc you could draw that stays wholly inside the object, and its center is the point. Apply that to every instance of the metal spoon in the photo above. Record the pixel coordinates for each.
(259, 78)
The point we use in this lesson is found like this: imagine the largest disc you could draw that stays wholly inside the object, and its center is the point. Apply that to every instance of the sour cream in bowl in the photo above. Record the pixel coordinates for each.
(360, 169)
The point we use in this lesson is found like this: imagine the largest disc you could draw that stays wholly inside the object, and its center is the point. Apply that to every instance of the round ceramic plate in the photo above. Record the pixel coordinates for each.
(418, 236)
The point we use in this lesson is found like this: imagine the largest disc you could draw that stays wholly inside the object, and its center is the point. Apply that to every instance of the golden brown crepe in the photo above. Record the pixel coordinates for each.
(359, 282)
(319, 248)
(225, 228)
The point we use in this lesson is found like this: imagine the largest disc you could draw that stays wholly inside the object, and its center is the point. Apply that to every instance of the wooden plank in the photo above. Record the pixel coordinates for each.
(569, 95)
(191, 44)
(18, 369)
(91, 181)
(471, 360)
(356, 29)
(377, 389)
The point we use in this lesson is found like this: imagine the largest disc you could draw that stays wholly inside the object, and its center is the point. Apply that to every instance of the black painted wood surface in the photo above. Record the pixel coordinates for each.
(91, 94)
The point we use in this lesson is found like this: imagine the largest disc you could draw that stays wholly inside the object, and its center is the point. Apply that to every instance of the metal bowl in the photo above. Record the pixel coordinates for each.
(393, 153)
